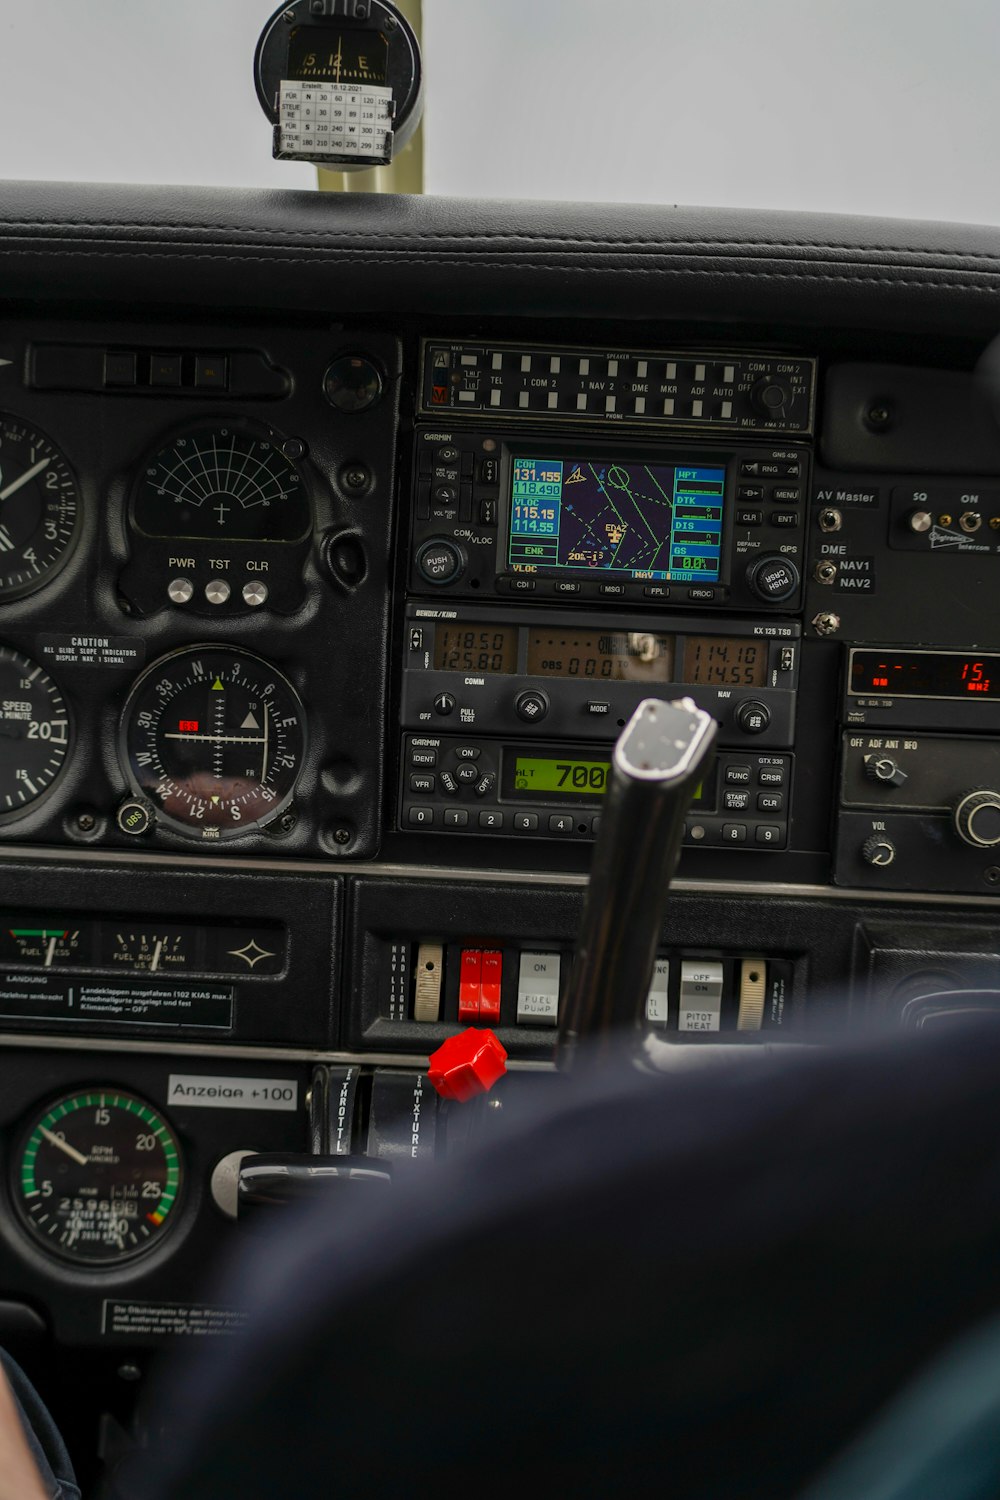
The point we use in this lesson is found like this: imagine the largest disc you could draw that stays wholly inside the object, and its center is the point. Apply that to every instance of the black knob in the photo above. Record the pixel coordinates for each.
(878, 850)
(883, 770)
(772, 579)
(752, 717)
(440, 562)
(135, 817)
(531, 706)
(977, 818)
(444, 704)
(770, 398)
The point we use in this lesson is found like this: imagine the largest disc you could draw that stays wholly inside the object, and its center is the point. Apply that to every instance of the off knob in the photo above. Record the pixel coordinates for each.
(770, 398)
(878, 850)
(977, 818)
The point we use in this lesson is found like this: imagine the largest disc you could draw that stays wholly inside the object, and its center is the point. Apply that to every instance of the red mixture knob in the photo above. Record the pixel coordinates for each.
(467, 1064)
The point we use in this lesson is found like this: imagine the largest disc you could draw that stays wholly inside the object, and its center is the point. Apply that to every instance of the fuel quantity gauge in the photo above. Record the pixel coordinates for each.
(155, 950)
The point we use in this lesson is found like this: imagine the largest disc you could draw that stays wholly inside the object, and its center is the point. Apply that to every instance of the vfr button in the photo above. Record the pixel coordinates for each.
(422, 783)
(700, 995)
(470, 985)
(538, 989)
(656, 999)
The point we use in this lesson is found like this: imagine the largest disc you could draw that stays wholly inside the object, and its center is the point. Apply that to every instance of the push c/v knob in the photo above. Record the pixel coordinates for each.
(772, 579)
(878, 850)
(440, 561)
(977, 818)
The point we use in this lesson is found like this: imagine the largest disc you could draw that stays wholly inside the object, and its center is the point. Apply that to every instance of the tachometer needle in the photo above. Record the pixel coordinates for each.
(54, 1140)
(25, 478)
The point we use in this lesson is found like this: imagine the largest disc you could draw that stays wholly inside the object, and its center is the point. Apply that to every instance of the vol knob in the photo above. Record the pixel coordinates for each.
(977, 818)
(878, 850)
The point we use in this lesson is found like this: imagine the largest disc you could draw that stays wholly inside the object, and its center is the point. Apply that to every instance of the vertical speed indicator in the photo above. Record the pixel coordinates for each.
(214, 737)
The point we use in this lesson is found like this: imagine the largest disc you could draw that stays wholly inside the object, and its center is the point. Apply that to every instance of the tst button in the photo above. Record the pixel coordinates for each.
(440, 562)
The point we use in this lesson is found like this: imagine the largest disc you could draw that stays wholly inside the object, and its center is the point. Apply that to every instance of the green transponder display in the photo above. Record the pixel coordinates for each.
(543, 775)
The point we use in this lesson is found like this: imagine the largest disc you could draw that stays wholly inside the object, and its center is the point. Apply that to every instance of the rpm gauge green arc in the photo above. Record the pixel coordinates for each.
(98, 1177)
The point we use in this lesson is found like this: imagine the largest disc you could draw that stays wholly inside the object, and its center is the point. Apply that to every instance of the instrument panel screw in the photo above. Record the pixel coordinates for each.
(287, 822)
(86, 822)
(293, 448)
(341, 835)
(390, 23)
(129, 1372)
(826, 623)
(992, 875)
(288, 17)
(879, 416)
(356, 478)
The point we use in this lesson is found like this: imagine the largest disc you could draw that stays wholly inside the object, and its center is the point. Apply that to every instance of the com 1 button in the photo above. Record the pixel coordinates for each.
(531, 706)
(440, 562)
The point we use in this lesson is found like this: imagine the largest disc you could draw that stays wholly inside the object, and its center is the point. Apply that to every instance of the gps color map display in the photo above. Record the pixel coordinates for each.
(648, 521)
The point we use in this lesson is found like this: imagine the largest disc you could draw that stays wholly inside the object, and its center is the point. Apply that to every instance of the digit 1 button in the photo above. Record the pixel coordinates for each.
(531, 706)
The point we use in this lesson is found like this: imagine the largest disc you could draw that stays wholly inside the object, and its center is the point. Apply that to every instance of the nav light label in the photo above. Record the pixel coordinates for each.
(207, 1091)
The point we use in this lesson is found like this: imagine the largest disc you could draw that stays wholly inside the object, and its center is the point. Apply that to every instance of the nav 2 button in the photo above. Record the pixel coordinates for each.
(531, 706)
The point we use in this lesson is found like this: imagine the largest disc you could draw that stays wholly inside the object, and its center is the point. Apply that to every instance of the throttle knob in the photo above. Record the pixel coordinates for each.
(878, 850)
(977, 818)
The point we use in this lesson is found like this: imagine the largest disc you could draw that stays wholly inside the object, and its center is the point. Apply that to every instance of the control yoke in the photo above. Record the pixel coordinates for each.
(662, 754)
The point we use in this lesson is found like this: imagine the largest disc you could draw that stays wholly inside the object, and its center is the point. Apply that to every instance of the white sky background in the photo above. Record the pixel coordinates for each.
(865, 106)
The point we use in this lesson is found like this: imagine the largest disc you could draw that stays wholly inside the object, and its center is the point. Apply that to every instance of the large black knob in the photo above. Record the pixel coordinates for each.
(883, 770)
(977, 818)
(770, 398)
(752, 717)
(772, 579)
(440, 562)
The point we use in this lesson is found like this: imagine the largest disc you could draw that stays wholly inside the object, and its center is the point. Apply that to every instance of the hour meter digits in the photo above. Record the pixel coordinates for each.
(340, 82)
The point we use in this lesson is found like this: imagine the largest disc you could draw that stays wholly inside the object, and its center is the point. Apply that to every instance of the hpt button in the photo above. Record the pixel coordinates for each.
(255, 594)
(180, 591)
(217, 591)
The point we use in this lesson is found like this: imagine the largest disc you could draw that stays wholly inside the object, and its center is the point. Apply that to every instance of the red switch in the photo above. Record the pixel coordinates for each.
(467, 1064)
(489, 1002)
(470, 985)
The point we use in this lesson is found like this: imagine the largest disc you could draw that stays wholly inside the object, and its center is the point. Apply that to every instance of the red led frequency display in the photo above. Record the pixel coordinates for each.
(925, 674)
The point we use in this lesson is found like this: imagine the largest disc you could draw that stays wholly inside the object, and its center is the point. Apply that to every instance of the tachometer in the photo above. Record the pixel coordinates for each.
(39, 508)
(34, 733)
(98, 1177)
(214, 738)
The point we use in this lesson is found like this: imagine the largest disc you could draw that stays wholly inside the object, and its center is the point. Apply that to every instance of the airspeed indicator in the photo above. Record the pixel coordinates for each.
(34, 733)
(214, 738)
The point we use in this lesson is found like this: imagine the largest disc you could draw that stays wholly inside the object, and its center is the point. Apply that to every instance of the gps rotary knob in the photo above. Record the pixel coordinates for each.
(977, 818)
(772, 579)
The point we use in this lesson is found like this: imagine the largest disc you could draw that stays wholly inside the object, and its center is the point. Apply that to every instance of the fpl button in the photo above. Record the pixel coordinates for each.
(531, 706)
(439, 562)
(470, 985)
(752, 717)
